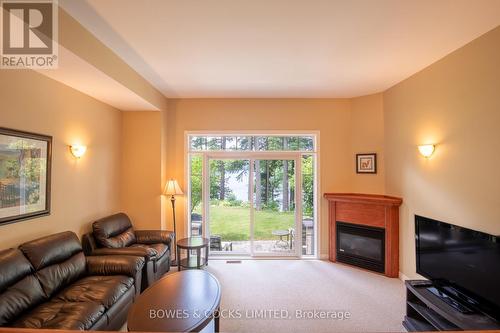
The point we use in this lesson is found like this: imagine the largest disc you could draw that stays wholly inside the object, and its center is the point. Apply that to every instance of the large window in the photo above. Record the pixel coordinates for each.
(254, 194)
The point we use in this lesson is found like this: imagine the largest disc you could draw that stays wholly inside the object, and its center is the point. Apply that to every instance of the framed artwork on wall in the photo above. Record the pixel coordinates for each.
(366, 163)
(25, 165)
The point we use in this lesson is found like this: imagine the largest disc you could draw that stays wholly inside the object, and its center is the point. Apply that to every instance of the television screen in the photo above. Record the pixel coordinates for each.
(462, 259)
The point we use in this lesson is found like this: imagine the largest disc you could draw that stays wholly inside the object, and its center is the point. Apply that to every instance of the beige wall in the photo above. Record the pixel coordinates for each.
(165, 202)
(142, 139)
(329, 116)
(367, 136)
(82, 190)
(141, 168)
(455, 104)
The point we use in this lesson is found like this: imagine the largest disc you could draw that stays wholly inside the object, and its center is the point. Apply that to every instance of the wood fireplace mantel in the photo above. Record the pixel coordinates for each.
(370, 210)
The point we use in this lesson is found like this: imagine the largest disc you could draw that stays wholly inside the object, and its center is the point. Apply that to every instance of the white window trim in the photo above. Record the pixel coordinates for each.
(255, 154)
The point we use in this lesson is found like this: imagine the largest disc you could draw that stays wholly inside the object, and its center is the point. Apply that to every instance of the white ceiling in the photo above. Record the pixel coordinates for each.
(282, 48)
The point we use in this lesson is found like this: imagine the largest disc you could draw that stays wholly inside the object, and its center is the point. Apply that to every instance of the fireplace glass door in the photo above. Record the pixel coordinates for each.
(362, 246)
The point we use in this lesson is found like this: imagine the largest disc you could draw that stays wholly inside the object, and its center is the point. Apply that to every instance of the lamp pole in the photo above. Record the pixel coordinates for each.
(172, 200)
(173, 189)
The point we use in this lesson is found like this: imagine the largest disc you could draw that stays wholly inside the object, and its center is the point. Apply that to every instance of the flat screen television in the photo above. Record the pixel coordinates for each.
(462, 263)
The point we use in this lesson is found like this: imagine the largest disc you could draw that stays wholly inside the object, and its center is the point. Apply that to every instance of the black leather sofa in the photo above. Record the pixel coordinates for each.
(49, 283)
(115, 235)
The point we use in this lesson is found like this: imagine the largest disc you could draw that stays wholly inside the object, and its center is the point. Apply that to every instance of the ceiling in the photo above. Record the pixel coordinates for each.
(282, 48)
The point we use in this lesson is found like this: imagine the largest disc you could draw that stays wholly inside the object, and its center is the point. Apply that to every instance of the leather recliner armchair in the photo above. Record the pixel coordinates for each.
(49, 283)
(115, 235)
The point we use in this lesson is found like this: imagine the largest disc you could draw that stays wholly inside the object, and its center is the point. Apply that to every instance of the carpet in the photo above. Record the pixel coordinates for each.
(306, 296)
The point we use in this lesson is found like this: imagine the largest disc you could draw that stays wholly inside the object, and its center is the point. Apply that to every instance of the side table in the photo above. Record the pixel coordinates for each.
(192, 261)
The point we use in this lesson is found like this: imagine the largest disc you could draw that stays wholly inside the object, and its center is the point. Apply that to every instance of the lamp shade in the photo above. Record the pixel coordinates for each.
(173, 188)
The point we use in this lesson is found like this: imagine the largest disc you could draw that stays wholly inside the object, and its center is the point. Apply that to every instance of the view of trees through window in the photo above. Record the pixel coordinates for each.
(252, 143)
(273, 190)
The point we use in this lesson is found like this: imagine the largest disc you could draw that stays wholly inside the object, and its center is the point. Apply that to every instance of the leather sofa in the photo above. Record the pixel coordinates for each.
(115, 235)
(49, 283)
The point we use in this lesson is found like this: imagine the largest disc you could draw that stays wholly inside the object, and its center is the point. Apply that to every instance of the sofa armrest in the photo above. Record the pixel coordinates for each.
(154, 236)
(115, 265)
(146, 253)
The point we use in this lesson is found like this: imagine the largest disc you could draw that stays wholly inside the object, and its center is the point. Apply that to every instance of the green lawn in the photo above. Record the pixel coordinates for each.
(233, 223)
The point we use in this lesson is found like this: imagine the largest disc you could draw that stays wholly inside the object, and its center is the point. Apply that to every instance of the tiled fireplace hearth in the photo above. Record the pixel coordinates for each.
(364, 231)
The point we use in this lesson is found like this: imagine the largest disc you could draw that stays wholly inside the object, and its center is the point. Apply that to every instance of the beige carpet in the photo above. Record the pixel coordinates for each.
(375, 303)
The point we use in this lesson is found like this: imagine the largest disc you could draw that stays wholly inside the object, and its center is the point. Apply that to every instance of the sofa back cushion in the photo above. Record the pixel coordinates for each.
(57, 259)
(114, 231)
(20, 290)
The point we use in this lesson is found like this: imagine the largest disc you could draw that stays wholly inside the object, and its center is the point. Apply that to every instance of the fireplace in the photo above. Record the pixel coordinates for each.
(378, 216)
(362, 246)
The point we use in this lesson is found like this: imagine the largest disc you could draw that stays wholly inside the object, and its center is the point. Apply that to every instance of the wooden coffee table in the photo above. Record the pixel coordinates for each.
(192, 295)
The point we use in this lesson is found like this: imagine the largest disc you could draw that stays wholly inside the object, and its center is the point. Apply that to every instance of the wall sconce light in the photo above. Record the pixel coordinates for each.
(426, 150)
(78, 150)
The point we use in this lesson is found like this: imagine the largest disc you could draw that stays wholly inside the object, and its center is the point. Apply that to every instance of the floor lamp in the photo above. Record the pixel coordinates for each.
(172, 188)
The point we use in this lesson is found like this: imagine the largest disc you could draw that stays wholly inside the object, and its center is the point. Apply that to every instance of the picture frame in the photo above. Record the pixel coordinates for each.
(25, 175)
(366, 163)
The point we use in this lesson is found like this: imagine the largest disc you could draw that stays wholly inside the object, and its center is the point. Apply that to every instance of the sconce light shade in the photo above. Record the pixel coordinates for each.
(426, 150)
(78, 150)
(173, 188)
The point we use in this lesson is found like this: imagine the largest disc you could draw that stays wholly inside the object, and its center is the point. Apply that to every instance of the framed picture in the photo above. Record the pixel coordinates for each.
(25, 162)
(366, 163)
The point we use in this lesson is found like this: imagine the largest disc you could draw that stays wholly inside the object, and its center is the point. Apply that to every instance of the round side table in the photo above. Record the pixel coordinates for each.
(192, 261)
(282, 234)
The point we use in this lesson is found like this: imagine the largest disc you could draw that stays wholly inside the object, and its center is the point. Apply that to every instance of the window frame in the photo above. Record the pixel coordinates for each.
(206, 154)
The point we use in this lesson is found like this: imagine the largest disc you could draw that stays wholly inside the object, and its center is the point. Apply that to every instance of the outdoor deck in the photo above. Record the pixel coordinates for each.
(265, 246)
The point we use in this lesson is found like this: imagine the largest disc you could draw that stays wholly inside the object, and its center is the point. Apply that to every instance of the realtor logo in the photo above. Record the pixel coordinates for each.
(29, 34)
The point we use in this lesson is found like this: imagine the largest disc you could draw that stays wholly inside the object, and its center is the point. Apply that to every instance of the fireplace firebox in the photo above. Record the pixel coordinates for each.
(362, 246)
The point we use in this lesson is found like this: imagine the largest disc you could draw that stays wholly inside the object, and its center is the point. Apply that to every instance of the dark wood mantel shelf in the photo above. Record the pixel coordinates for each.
(373, 210)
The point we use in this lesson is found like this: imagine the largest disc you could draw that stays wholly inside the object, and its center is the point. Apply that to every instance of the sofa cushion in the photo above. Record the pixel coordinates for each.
(124, 239)
(20, 290)
(159, 248)
(62, 315)
(13, 267)
(58, 260)
(56, 277)
(114, 231)
(105, 290)
(52, 249)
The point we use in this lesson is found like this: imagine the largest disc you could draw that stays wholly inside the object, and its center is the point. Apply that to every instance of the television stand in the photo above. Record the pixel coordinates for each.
(450, 301)
(425, 311)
